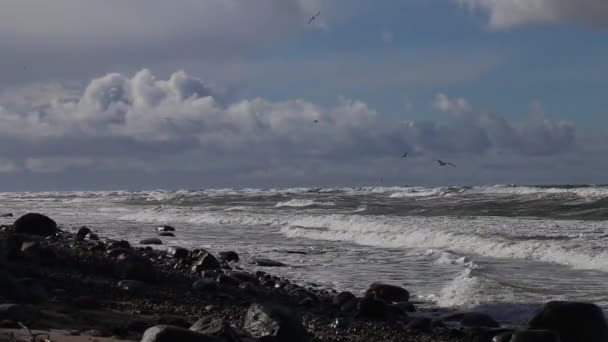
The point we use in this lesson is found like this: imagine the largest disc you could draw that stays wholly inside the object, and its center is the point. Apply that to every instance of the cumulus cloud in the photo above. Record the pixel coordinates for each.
(510, 13)
(140, 123)
(455, 106)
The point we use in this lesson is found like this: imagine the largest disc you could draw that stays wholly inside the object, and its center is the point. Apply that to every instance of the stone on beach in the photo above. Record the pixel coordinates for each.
(35, 224)
(388, 293)
(168, 333)
(151, 241)
(267, 262)
(573, 321)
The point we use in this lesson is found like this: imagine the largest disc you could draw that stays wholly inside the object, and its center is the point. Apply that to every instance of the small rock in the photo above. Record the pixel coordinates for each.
(405, 306)
(167, 333)
(267, 262)
(166, 234)
(135, 267)
(473, 319)
(216, 327)
(229, 256)
(388, 293)
(87, 303)
(205, 285)
(373, 308)
(206, 262)
(35, 224)
(272, 320)
(342, 297)
(420, 324)
(178, 252)
(131, 285)
(535, 336)
(175, 321)
(82, 232)
(18, 312)
(243, 277)
(573, 321)
(92, 237)
(151, 241)
(165, 228)
(122, 244)
(7, 215)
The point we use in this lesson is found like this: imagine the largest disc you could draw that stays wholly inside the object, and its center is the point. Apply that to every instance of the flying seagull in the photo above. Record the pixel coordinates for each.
(404, 155)
(442, 163)
(313, 17)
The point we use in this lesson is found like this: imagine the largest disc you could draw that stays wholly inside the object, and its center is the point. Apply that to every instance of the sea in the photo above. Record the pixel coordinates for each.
(503, 250)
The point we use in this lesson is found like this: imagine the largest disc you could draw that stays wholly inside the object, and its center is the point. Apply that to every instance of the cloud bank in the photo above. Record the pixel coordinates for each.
(505, 14)
(143, 124)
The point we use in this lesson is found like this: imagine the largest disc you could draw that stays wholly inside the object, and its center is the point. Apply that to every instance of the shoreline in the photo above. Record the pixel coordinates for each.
(91, 287)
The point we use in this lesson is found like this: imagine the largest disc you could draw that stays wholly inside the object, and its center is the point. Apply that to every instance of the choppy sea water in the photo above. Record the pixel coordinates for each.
(504, 250)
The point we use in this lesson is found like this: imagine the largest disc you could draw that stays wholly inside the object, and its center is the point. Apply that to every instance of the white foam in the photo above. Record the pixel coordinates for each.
(301, 203)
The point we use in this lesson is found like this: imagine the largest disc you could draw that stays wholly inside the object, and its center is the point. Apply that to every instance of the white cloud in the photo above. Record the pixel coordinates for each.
(509, 13)
(456, 106)
(118, 123)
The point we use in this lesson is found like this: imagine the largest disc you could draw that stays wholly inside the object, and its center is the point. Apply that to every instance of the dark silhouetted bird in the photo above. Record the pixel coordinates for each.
(442, 163)
(313, 17)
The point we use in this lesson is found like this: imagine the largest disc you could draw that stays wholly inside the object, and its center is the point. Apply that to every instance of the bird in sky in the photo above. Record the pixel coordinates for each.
(404, 155)
(442, 163)
(313, 17)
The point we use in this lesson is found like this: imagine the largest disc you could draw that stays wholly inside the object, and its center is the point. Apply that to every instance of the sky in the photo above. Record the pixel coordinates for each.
(150, 94)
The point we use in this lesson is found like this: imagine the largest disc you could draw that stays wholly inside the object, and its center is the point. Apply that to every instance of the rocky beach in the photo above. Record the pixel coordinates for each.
(69, 284)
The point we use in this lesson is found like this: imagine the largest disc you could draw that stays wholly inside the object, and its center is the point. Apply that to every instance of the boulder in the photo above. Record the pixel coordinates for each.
(10, 287)
(473, 319)
(82, 232)
(263, 321)
(131, 285)
(205, 262)
(151, 241)
(135, 267)
(388, 293)
(267, 262)
(165, 228)
(573, 321)
(35, 224)
(168, 333)
(229, 256)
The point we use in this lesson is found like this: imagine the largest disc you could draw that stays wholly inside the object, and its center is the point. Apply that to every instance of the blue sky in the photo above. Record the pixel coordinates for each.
(504, 88)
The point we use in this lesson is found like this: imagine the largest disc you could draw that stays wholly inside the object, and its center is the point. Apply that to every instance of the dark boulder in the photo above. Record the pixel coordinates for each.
(166, 234)
(473, 319)
(178, 252)
(573, 321)
(82, 232)
(165, 228)
(35, 224)
(388, 293)
(205, 262)
(229, 256)
(10, 287)
(34, 292)
(267, 262)
(168, 333)
(263, 321)
(151, 241)
(92, 237)
(135, 267)
(243, 277)
(7, 215)
(405, 306)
